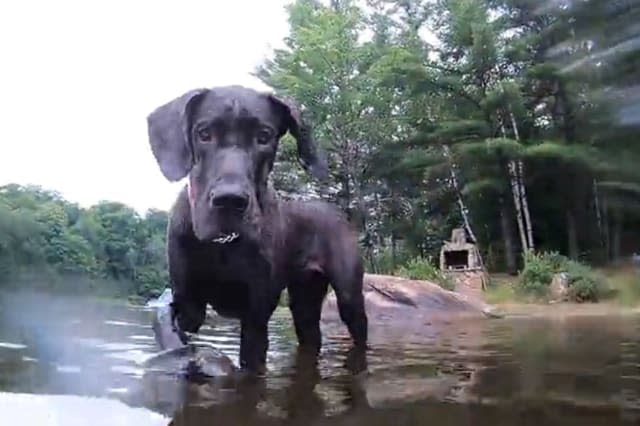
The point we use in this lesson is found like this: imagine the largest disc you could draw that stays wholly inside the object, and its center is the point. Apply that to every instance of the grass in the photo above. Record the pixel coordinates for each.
(503, 290)
(500, 291)
(624, 282)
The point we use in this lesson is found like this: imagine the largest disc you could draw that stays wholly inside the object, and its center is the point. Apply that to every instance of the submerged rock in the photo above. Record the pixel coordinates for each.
(197, 358)
(194, 358)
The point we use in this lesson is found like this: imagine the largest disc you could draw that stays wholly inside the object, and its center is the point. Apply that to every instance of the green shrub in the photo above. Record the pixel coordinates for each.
(423, 269)
(385, 262)
(538, 272)
(584, 284)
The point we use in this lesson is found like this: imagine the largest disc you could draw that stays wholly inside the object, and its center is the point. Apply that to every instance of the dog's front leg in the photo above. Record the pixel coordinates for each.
(254, 343)
(254, 339)
(188, 310)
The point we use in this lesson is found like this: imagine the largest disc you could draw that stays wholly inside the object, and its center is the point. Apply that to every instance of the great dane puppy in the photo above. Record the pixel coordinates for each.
(231, 243)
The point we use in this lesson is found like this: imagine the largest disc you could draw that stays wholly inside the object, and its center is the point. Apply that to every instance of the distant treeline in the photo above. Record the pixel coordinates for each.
(46, 240)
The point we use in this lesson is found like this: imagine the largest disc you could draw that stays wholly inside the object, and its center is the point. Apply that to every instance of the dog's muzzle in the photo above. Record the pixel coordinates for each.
(223, 238)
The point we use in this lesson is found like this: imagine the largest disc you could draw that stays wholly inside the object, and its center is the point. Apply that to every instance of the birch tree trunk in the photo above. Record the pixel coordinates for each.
(525, 205)
(517, 199)
(515, 190)
(523, 193)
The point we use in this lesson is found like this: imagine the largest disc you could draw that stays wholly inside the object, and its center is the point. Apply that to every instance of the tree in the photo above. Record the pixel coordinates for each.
(42, 233)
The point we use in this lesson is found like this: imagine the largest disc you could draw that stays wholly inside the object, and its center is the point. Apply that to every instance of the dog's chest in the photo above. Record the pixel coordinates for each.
(220, 264)
(227, 276)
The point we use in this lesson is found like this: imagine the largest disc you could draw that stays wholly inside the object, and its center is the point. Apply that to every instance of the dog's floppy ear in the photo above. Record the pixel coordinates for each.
(168, 128)
(311, 156)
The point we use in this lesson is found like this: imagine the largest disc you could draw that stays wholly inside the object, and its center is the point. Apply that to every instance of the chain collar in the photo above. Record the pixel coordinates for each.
(225, 239)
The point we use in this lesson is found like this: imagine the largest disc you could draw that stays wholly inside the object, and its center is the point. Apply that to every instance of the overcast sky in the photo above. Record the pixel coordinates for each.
(78, 79)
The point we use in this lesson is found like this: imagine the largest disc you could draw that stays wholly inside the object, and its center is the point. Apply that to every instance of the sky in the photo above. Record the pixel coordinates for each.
(78, 78)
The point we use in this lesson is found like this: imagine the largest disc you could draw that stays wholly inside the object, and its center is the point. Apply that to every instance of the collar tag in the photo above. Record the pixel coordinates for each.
(224, 239)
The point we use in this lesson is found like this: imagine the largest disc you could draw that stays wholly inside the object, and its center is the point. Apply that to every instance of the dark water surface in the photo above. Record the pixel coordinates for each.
(514, 371)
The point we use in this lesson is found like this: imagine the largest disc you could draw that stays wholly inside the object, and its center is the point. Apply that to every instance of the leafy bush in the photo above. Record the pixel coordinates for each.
(584, 284)
(423, 269)
(538, 272)
(385, 262)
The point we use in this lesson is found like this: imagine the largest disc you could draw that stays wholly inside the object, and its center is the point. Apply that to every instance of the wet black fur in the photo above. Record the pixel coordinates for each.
(303, 246)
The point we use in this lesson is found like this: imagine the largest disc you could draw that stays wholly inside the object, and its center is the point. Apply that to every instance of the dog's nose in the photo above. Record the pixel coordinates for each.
(230, 198)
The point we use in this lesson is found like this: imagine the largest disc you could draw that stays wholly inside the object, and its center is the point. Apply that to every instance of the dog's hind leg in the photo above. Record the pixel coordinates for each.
(350, 299)
(305, 302)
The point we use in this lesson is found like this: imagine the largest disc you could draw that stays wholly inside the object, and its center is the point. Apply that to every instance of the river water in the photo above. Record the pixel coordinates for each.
(582, 370)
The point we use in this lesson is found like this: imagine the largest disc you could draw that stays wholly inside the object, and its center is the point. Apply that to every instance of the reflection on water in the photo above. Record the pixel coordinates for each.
(584, 370)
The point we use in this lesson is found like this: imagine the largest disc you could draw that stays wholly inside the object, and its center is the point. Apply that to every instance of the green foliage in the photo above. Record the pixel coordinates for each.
(424, 269)
(584, 284)
(49, 242)
(502, 85)
(386, 261)
(538, 272)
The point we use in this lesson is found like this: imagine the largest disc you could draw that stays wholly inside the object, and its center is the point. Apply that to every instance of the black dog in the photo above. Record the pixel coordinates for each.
(230, 242)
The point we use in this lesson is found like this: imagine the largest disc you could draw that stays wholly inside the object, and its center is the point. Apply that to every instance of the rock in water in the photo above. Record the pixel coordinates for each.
(194, 358)
(399, 301)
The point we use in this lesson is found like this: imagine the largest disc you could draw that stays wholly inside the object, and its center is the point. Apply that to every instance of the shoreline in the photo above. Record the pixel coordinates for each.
(565, 309)
(506, 308)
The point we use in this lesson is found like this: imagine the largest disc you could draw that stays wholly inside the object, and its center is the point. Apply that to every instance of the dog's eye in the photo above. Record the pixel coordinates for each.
(204, 134)
(264, 136)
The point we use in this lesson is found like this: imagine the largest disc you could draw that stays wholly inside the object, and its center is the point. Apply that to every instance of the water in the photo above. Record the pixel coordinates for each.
(525, 371)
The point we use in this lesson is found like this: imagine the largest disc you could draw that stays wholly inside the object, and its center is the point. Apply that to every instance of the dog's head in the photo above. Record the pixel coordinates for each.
(225, 139)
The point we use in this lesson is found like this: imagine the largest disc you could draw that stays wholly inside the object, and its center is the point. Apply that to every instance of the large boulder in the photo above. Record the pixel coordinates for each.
(394, 300)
